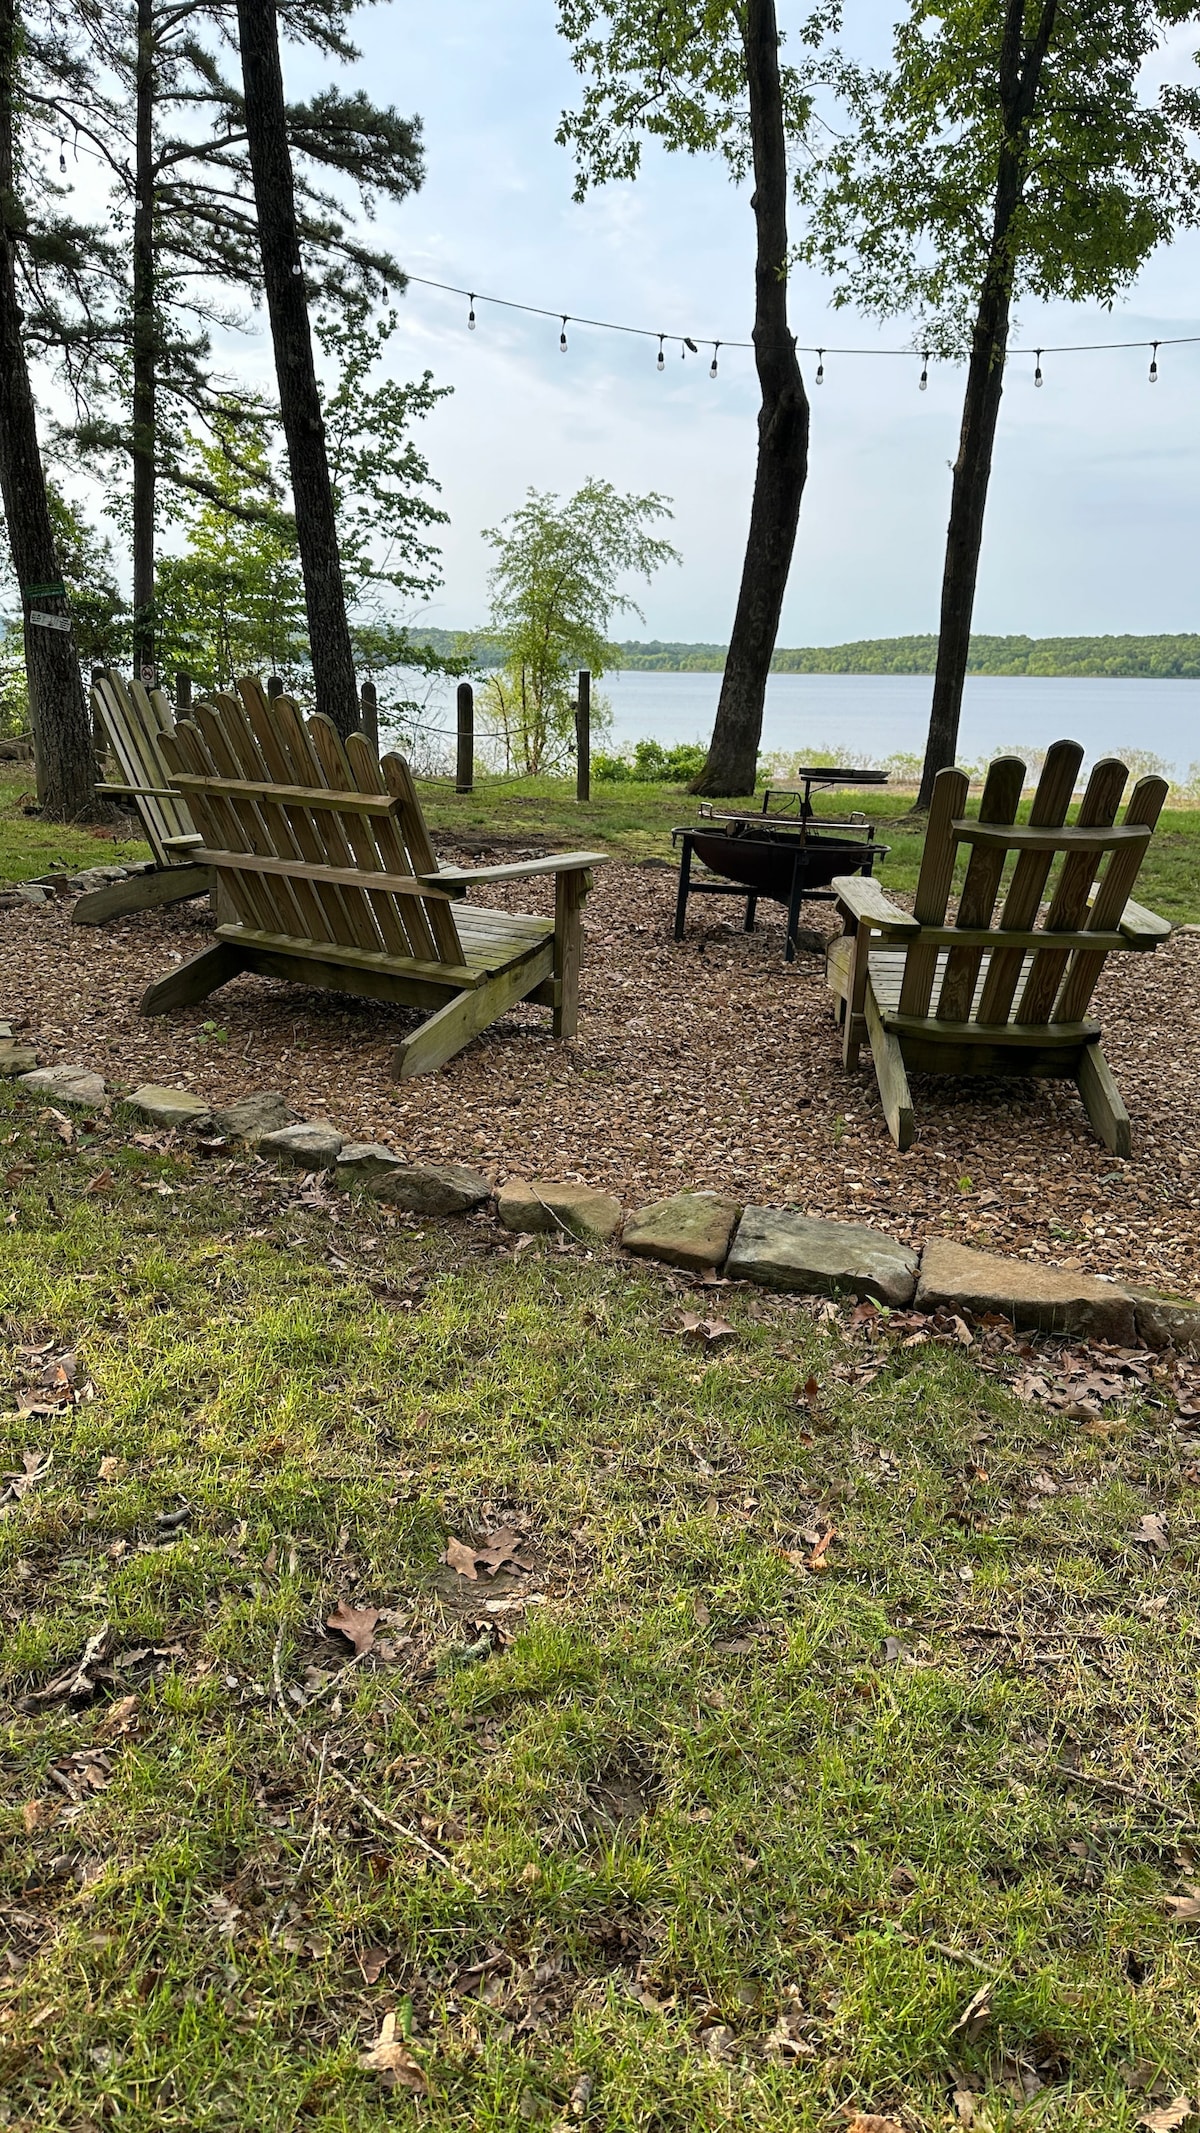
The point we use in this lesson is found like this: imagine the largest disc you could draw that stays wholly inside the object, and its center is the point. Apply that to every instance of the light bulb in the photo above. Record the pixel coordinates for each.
(562, 338)
(712, 368)
(471, 315)
(820, 377)
(662, 361)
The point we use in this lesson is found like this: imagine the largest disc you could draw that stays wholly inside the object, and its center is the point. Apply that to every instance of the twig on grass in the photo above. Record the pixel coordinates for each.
(1100, 1783)
(363, 1799)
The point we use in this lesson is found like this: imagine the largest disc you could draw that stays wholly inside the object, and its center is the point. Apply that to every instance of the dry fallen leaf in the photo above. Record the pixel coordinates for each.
(1183, 1908)
(110, 1469)
(491, 1554)
(461, 1558)
(373, 1962)
(816, 1560)
(976, 2014)
(1151, 1531)
(871, 2122)
(391, 2059)
(1168, 2117)
(355, 1624)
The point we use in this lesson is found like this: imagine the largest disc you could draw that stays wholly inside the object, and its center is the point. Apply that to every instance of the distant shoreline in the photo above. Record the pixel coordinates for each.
(1161, 658)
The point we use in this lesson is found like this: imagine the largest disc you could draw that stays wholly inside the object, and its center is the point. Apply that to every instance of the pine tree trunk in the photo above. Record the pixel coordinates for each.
(62, 732)
(732, 762)
(144, 437)
(299, 402)
(1020, 77)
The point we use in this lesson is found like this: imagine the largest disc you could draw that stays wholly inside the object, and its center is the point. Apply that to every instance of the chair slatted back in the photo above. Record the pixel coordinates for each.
(135, 721)
(1097, 863)
(327, 836)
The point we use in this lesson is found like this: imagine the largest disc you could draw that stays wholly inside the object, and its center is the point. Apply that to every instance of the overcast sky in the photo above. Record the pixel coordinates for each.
(1094, 515)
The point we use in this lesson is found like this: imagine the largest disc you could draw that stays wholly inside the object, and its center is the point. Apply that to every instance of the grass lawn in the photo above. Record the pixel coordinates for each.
(710, 1853)
(633, 820)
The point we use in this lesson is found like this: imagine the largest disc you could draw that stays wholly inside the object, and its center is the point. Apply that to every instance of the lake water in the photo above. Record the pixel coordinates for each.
(872, 716)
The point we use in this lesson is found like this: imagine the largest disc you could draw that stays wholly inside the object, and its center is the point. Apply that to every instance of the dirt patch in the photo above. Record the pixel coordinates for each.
(710, 1062)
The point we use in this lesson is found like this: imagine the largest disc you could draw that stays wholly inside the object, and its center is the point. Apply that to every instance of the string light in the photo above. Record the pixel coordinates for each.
(562, 338)
(924, 378)
(1154, 364)
(62, 154)
(687, 342)
(662, 361)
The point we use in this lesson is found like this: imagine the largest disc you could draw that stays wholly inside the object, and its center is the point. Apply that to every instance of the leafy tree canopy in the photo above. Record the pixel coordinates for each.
(901, 198)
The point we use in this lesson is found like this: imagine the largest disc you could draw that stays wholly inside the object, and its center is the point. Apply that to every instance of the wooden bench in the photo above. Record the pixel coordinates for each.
(326, 876)
(1009, 996)
(135, 720)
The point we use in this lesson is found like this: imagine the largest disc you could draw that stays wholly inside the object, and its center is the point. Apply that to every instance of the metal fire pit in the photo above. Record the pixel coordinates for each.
(788, 858)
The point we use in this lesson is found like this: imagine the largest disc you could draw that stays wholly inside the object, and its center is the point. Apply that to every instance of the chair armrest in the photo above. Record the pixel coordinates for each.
(557, 863)
(1144, 929)
(866, 903)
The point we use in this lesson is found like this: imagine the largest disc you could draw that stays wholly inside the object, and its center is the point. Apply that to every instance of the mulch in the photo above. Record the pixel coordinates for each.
(709, 1064)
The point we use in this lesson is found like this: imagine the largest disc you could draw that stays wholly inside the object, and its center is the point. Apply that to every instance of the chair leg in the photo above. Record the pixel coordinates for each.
(685, 882)
(569, 893)
(1102, 1100)
(193, 980)
(751, 908)
(141, 892)
(891, 1075)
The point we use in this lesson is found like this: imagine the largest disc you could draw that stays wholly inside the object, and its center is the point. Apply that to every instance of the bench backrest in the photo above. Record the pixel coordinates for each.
(135, 720)
(313, 838)
(1095, 852)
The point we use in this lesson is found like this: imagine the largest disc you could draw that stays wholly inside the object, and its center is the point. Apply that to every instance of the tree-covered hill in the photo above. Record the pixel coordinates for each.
(1149, 658)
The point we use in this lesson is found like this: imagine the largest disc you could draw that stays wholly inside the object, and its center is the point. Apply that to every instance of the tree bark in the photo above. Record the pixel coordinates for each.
(62, 733)
(732, 762)
(299, 401)
(1020, 75)
(145, 351)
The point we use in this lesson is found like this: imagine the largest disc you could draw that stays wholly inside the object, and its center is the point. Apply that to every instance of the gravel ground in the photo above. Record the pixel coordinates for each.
(707, 1064)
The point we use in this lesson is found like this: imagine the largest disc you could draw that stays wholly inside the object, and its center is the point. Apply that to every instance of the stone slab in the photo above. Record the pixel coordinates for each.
(169, 1107)
(1046, 1299)
(1166, 1321)
(252, 1116)
(812, 1258)
(691, 1229)
(313, 1145)
(535, 1208)
(66, 1085)
(16, 1059)
(360, 1161)
(432, 1188)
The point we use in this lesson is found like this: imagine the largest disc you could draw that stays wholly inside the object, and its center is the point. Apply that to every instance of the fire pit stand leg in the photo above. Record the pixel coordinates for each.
(685, 881)
(751, 908)
(793, 917)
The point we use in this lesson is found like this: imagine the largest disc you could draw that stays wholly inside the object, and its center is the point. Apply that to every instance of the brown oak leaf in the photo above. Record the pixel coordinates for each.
(355, 1624)
(391, 2059)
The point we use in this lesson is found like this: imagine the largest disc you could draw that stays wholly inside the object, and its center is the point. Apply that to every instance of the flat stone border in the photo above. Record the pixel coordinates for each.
(704, 1232)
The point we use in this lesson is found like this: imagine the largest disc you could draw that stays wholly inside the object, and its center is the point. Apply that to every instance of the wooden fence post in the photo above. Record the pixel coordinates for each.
(583, 737)
(464, 777)
(274, 687)
(369, 699)
(183, 692)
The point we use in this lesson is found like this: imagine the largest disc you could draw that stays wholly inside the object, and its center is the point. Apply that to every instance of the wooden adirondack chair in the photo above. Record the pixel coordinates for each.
(887, 968)
(326, 875)
(135, 720)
